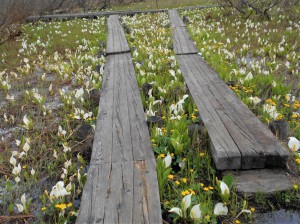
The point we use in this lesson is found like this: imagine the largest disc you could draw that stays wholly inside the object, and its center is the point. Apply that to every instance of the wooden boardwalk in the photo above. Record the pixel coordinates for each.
(238, 139)
(122, 184)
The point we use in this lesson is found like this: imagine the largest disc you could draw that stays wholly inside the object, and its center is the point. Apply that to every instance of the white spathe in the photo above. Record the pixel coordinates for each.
(220, 209)
(196, 212)
(176, 210)
(168, 160)
(294, 144)
(224, 188)
(186, 201)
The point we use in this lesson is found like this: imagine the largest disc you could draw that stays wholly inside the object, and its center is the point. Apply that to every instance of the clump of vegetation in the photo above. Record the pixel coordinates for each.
(46, 79)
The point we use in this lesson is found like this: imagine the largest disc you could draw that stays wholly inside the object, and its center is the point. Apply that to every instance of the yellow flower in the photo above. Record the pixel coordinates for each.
(297, 160)
(172, 154)
(163, 117)
(194, 117)
(191, 170)
(207, 217)
(161, 156)
(267, 120)
(177, 182)
(183, 159)
(202, 185)
(206, 189)
(295, 186)
(152, 140)
(286, 105)
(61, 206)
(237, 221)
(167, 202)
(210, 188)
(192, 191)
(294, 115)
(24, 167)
(69, 205)
(184, 180)
(202, 154)
(171, 176)
(43, 209)
(186, 192)
(280, 117)
(252, 209)
(195, 109)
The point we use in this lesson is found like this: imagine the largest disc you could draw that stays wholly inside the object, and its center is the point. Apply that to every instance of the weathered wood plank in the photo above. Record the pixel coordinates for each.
(182, 42)
(219, 107)
(116, 42)
(122, 133)
(107, 13)
(275, 153)
(193, 64)
(175, 19)
(125, 192)
(266, 181)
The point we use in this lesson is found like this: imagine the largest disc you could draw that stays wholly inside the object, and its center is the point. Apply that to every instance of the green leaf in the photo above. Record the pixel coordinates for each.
(9, 186)
(228, 180)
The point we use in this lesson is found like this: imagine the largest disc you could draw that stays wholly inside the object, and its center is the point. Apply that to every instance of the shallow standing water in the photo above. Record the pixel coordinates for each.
(278, 217)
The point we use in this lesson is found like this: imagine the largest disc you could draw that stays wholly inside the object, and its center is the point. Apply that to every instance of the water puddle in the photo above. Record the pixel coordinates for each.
(278, 217)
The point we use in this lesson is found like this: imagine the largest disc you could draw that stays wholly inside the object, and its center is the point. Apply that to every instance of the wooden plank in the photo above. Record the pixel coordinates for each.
(275, 153)
(121, 130)
(116, 42)
(125, 192)
(105, 13)
(193, 64)
(175, 18)
(250, 182)
(182, 42)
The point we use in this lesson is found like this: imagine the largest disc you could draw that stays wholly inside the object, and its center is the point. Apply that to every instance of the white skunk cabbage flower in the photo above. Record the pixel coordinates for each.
(196, 212)
(167, 160)
(220, 209)
(294, 144)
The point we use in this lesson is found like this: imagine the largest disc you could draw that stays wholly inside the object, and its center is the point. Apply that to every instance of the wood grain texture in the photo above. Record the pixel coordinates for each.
(238, 139)
(175, 19)
(124, 192)
(182, 42)
(116, 40)
(122, 185)
(122, 133)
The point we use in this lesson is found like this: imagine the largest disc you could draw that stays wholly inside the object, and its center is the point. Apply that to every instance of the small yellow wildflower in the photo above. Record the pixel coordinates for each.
(237, 221)
(163, 117)
(171, 177)
(152, 140)
(193, 117)
(210, 187)
(252, 209)
(191, 170)
(192, 191)
(24, 167)
(202, 154)
(286, 105)
(202, 185)
(295, 186)
(161, 155)
(206, 189)
(195, 109)
(167, 202)
(177, 182)
(184, 180)
(280, 117)
(43, 209)
(183, 159)
(267, 120)
(207, 217)
(186, 192)
(61, 206)
(294, 115)
(69, 205)
(172, 154)
(297, 160)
